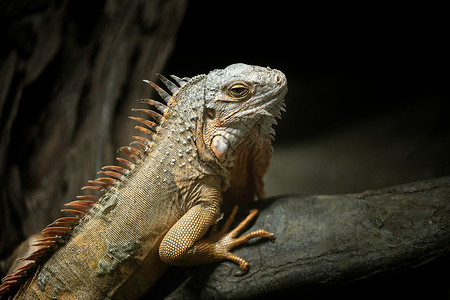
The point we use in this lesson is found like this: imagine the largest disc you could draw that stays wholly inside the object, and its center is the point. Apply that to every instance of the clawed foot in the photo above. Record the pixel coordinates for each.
(223, 242)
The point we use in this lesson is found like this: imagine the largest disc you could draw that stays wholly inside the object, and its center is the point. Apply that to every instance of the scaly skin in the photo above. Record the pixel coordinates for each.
(214, 136)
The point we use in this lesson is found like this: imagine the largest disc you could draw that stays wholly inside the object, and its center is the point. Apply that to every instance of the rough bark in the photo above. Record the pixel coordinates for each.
(68, 71)
(324, 240)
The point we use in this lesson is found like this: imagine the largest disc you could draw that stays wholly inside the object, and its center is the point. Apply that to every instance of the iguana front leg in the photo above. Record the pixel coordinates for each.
(183, 244)
(219, 243)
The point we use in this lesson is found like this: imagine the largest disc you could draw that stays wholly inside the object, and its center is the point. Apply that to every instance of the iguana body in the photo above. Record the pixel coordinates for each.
(156, 211)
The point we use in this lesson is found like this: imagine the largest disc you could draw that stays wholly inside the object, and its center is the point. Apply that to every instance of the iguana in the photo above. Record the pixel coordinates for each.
(210, 142)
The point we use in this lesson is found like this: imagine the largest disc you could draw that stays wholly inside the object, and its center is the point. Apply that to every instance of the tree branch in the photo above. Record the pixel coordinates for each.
(324, 240)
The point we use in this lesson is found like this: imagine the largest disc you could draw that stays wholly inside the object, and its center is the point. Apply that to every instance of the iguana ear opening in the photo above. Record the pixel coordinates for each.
(251, 163)
(220, 146)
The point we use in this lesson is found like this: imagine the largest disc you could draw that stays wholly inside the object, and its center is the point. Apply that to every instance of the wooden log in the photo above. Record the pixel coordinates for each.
(327, 240)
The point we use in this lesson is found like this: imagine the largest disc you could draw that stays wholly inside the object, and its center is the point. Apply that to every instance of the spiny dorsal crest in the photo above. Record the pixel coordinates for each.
(54, 234)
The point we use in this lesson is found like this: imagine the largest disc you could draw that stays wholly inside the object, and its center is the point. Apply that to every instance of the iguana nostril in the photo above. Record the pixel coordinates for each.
(278, 79)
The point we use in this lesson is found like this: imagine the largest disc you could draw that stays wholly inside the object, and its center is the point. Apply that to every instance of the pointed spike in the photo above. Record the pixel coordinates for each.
(19, 272)
(73, 211)
(8, 283)
(10, 277)
(58, 224)
(11, 282)
(278, 114)
(156, 116)
(74, 206)
(92, 187)
(23, 268)
(61, 224)
(6, 277)
(164, 95)
(99, 183)
(117, 169)
(180, 81)
(125, 162)
(49, 239)
(134, 150)
(159, 106)
(45, 244)
(264, 112)
(153, 126)
(140, 145)
(169, 84)
(72, 220)
(110, 181)
(4, 288)
(86, 203)
(80, 205)
(145, 131)
(143, 140)
(15, 277)
(93, 198)
(113, 174)
(55, 230)
(133, 153)
(35, 254)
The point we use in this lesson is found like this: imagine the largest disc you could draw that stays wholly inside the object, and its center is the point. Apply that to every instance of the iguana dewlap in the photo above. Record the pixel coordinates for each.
(211, 142)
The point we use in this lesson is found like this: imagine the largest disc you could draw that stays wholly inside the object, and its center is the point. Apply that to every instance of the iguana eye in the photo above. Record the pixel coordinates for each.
(239, 91)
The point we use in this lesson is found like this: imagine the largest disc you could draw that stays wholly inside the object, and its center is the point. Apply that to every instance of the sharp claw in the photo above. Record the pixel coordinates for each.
(241, 272)
(244, 268)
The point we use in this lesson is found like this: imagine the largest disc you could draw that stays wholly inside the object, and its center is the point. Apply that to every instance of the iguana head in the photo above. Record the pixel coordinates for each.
(241, 104)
